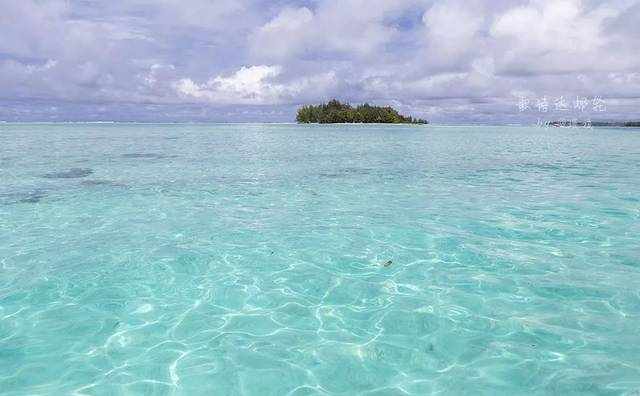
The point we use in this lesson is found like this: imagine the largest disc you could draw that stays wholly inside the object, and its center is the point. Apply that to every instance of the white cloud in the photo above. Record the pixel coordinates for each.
(285, 35)
(358, 28)
(553, 36)
(252, 85)
(289, 19)
(452, 29)
(217, 14)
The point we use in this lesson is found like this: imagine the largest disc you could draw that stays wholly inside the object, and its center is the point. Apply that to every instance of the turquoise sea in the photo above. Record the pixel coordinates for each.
(249, 259)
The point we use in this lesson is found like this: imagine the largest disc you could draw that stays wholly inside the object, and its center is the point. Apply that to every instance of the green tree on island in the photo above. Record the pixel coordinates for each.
(337, 112)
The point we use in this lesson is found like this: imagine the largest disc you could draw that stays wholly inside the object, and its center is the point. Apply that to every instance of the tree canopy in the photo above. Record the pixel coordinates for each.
(337, 112)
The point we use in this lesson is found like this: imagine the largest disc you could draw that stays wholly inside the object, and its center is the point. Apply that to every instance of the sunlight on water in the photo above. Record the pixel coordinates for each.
(304, 260)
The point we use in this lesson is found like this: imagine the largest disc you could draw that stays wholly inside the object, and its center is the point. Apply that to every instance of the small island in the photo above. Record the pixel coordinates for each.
(335, 112)
(613, 124)
(618, 124)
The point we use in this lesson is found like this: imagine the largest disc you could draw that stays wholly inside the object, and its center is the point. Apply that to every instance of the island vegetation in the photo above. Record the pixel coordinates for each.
(336, 112)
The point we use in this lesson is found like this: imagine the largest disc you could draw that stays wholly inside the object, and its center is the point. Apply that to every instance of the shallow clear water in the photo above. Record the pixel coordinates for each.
(249, 259)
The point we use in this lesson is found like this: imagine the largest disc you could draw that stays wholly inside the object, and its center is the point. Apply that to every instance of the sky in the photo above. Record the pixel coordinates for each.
(449, 61)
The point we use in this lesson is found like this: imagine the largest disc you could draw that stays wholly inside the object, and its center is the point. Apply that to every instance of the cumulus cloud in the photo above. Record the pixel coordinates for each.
(290, 23)
(351, 28)
(453, 33)
(252, 85)
(553, 36)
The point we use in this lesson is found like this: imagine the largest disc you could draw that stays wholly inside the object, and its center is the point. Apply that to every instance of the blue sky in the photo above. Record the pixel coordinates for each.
(241, 60)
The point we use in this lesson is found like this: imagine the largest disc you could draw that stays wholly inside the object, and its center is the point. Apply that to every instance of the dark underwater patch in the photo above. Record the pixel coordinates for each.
(72, 173)
(346, 172)
(34, 196)
(330, 175)
(99, 183)
(145, 155)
